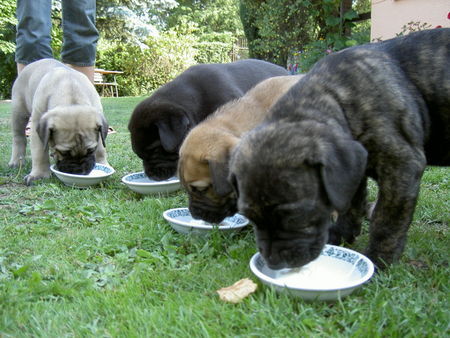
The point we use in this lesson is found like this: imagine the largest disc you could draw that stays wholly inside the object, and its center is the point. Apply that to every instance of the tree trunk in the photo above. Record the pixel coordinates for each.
(346, 5)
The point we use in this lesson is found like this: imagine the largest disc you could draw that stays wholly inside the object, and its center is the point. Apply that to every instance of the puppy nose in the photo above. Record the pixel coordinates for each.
(272, 256)
(275, 263)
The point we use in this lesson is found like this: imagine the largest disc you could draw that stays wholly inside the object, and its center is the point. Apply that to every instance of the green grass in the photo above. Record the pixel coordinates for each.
(103, 262)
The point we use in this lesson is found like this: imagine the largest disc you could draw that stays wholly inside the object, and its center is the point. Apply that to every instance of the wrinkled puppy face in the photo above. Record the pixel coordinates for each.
(75, 156)
(73, 136)
(288, 208)
(211, 198)
(157, 131)
(203, 171)
(288, 183)
(210, 207)
(158, 163)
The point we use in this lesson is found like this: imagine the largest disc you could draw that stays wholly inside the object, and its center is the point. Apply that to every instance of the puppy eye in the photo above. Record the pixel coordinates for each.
(90, 151)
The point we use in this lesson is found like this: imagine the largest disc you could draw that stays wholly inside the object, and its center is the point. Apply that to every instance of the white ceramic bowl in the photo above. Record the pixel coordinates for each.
(334, 274)
(181, 220)
(98, 174)
(142, 184)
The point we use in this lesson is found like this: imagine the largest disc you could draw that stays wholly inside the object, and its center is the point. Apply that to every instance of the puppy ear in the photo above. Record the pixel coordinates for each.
(172, 132)
(234, 184)
(219, 176)
(219, 170)
(44, 131)
(342, 172)
(103, 129)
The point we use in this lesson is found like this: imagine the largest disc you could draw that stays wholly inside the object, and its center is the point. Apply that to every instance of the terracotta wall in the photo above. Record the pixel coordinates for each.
(389, 16)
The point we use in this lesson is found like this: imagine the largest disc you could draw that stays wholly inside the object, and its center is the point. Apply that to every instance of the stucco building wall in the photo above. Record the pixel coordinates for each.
(389, 16)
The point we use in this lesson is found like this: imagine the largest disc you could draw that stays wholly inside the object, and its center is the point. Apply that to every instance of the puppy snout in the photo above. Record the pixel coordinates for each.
(208, 216)
(160, 172)
(209, 211)
(78, 166)
(275, 260)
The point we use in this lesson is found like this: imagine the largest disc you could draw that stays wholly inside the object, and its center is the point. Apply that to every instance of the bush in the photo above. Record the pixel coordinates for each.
(212, 52)
(312, 52)
(9, 73)
(148, 66)
(7, 47)
(275, 28)
(158, 61)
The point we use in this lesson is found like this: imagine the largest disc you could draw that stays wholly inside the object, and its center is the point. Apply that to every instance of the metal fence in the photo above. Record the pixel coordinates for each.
(239, 49)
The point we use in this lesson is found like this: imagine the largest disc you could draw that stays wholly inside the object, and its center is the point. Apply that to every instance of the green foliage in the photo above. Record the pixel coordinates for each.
(147, 68)
(8, 74)
(127, 20)
(7, 22)
(7, 46)
(192, 32)
(199, 31)
(56, 32)
(208, 16)
(275, 28)
(212, 52)
(202, 32)
(314, 51)
(162, 58)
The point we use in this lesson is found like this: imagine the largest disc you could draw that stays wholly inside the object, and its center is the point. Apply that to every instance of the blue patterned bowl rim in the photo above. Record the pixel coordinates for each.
(128, 179)
(106, 169)
(363, 264)
(237, 221)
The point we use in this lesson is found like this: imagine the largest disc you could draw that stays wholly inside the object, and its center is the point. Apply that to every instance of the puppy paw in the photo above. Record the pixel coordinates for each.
(334, 236)
(13, 164)
(16, 163)
(30, 178)
(382, 255)
(339, 234)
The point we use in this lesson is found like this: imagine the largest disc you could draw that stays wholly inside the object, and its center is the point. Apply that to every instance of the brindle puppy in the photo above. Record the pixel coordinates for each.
(204, 154)
(160, 123)
(380, 110)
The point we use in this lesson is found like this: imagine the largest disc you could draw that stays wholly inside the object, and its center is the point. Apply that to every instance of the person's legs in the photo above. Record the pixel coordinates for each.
(33, 32)
(86, 70)
(80, 35)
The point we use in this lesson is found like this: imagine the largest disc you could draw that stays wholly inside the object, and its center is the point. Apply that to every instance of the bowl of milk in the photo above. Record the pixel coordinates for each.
(336, 273)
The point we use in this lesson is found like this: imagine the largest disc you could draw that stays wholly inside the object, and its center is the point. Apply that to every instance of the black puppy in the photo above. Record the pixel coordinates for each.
(160, 123)
(380, 110)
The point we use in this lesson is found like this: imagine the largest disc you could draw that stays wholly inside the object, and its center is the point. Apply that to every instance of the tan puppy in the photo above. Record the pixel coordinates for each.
(204, 154)
(66, 118)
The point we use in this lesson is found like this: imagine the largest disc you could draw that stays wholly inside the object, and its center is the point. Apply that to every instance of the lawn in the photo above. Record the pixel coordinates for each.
(103, 262)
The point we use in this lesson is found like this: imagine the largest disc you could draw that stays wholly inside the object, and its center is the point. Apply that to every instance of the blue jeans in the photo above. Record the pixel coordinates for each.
(79, 32)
